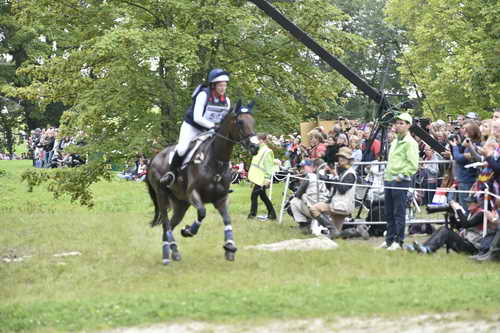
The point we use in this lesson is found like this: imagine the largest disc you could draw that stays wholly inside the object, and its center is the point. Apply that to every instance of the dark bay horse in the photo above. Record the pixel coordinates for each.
(205, 179)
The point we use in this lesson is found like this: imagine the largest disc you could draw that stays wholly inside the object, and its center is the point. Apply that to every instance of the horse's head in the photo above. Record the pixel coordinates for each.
(241, 128)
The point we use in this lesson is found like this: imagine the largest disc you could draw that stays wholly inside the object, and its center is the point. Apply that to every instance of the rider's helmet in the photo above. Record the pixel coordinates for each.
(218, 75)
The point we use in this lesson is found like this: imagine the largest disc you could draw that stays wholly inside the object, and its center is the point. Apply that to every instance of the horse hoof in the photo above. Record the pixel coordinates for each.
(186, 232)
(166, 261)
(176, 256)
(229, 256)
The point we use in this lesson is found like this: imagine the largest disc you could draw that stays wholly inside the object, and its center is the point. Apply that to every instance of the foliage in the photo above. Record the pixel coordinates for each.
(377, 62)
(453, 49)
(75, 182)
(128, 68)
(121, 281)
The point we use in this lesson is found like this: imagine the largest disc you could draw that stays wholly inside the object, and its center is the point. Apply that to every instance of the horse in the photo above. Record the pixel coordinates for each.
(205, 179)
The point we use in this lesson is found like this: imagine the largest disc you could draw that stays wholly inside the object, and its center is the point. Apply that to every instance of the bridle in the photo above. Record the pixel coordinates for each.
(240, 130)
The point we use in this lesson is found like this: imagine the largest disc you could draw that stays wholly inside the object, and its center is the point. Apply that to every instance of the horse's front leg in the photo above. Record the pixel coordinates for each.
(229, 245)
(195, 200)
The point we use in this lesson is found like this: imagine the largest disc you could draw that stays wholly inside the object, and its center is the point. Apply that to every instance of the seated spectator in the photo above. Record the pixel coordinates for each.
(469, 237)
(341, 203)
(310, 192)
(142, 170)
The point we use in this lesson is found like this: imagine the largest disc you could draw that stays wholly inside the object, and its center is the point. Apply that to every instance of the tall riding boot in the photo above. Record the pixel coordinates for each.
(325, 221)
(170, 177)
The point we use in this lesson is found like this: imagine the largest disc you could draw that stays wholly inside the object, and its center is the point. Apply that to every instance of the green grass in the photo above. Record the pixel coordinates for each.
(119, 280)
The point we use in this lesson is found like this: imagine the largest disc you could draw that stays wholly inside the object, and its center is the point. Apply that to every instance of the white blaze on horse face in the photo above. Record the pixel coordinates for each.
(254, 140)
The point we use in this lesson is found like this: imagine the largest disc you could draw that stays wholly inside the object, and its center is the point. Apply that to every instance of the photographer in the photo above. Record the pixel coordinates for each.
(341, 203)
(310, 192)
(469, 237)
(462, 155)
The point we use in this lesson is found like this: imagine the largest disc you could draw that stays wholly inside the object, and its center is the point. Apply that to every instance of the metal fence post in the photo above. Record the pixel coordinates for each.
(285, 190)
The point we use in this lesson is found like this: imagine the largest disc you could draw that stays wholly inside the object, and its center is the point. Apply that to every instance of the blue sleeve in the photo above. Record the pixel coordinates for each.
(458, 156)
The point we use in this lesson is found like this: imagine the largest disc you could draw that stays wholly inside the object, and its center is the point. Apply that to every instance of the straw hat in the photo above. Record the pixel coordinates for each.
(345, 152)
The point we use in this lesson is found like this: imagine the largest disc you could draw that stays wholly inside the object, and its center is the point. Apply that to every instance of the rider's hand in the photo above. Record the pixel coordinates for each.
(267, 182)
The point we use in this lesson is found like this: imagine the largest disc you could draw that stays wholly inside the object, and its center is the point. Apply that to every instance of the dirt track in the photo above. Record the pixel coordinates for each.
(424, 323)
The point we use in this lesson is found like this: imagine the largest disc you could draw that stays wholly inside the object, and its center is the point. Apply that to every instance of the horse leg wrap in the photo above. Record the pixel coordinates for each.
(166, 253)
(228, 233)
(176, 255)
(190, 231)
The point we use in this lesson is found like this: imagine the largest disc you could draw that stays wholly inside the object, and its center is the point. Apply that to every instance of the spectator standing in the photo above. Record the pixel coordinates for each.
(402, 164)
(260, 174)
(318, 148)
(462, 155)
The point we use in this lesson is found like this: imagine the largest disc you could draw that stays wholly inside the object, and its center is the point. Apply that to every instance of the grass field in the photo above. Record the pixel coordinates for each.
(119, 281)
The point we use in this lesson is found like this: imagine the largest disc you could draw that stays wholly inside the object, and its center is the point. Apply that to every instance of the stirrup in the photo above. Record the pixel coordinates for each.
(168, 179)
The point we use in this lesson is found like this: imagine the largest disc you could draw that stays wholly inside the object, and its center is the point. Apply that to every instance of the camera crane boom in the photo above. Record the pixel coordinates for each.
(377, 96)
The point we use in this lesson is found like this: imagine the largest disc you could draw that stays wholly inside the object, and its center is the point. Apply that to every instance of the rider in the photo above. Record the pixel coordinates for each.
(209, 107)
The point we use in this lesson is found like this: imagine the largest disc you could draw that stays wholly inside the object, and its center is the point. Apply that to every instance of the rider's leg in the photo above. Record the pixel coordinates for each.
(187, 133)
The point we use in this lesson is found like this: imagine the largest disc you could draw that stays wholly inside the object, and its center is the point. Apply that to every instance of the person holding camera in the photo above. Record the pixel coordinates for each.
(341, 203)
(402, 164)
(469, 235)
(462, 153)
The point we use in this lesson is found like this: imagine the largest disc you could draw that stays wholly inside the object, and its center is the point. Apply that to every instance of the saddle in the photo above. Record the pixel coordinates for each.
(193, 148)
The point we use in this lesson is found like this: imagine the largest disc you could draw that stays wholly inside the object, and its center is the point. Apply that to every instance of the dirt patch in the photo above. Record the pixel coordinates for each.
(423, 323)
(317, 243)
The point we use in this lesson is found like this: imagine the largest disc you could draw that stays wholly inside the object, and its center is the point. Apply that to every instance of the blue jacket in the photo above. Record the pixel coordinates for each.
(463, 175)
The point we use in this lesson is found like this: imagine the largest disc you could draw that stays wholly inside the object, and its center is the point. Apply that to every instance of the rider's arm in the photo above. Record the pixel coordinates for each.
(199, 107)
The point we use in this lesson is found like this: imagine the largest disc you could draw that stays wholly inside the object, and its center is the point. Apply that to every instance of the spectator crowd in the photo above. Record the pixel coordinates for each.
(49, 150)
(471, 148)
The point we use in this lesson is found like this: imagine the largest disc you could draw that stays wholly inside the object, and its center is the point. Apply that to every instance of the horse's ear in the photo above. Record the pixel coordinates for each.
(250, 106)
(245, 109)
(237, 107)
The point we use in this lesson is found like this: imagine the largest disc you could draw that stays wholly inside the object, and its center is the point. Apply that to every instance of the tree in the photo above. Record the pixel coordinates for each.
(376, 62)
(453, 49)
(127, 68)
(10, 119)
(21, 45)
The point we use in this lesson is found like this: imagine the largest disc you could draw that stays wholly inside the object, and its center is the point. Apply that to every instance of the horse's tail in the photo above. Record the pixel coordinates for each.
(152, 194)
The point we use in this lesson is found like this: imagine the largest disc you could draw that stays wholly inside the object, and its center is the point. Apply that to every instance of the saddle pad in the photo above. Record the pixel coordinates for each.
(194, 145)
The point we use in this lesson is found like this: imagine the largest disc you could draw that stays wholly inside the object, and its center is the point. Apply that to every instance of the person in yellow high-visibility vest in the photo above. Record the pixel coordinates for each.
(260, 174)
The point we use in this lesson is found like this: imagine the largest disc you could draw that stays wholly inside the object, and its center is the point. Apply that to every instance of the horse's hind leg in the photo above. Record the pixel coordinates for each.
(180, 208)
(195, 200)
(167, 235)
(229, 245)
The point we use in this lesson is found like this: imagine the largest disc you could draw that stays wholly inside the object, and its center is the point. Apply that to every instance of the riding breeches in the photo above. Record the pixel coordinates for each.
(187, 134)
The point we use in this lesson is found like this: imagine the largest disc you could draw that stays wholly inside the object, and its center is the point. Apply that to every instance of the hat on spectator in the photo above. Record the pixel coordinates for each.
(406, 117)
(306, 163)
(440, 122)
(345, 152)
(472, 115)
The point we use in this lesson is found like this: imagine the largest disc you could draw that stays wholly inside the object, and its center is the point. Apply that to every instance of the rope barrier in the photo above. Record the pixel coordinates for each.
(448, 190)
